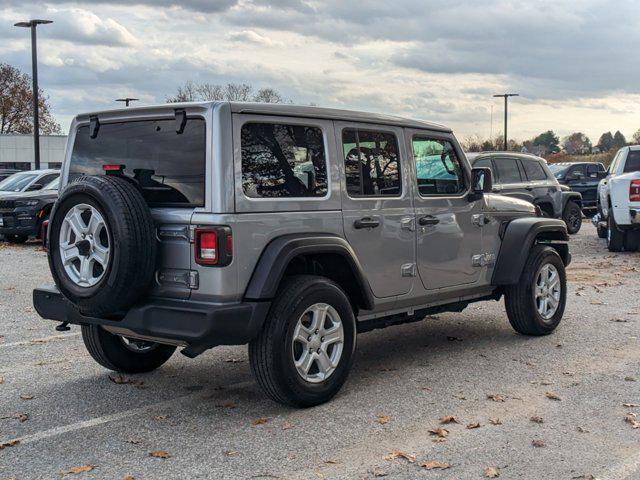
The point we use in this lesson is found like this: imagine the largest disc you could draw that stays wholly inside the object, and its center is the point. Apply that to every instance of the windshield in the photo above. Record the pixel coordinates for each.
(558, 170)
(17, 182)
(55, 185)
(169, 167)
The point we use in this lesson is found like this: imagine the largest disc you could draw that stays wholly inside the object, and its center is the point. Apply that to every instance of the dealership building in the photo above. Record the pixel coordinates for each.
(16, 151)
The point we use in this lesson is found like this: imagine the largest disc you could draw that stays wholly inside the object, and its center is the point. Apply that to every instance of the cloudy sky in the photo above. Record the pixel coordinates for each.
(574, 63)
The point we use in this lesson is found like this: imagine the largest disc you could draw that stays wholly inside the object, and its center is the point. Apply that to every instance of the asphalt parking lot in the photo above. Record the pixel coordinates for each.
(549, 407)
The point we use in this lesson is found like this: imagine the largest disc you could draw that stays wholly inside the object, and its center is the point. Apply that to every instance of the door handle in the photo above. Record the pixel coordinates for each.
(366, 222)
(428, 220)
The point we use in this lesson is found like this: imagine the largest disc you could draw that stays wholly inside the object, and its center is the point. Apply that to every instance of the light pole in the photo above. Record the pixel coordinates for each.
(127, 100)
(506, 103)
(32, 24)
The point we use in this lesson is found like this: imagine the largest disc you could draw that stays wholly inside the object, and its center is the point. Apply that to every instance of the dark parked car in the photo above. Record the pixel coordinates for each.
(7, 172)
(528, 177)
(22, 214)
(581, 177)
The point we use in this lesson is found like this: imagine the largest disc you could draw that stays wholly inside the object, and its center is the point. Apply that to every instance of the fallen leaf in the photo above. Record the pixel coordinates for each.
(234, 360)
(78, 470)
(552, 396)
(287, 426)
(619, 320)
(160, 454)
(471, 426)
(376, 472)
(160, 417)
(538, 443)
(129, 477)
(231, 453)
(582, 430)
(496, 397)
(440, 432)
(536, 419)
(25, 396)
(134, 441)
(332, 462)
(433, 465)
(495, 421)
(448, 419)
(398, 454)
(383, 419)
(569, 373)
(631, 405)
(491, 472)
(259, 421)
(629, 379)
(631, 418)
(122, 380)
(11, 443)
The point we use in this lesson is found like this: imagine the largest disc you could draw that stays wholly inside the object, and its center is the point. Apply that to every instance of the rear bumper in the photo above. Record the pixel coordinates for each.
(196, 325)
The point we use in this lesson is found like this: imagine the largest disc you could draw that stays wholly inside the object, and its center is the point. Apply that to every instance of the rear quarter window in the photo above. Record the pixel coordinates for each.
(534, 170)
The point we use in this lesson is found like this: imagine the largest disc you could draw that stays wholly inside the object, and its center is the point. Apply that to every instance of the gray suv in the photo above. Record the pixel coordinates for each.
(528, 177)
(291, 229)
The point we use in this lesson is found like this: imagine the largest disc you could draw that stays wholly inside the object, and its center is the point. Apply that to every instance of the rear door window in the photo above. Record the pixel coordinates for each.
(280, 160)
(371, 163)
(533, 170)
(169, 167)
(507, 170)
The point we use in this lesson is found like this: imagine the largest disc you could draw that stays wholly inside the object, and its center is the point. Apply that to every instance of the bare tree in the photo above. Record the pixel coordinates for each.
(16, 104)
(233, 92)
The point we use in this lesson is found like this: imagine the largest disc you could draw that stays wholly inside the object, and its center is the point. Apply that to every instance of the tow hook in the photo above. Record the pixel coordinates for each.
(63, 327)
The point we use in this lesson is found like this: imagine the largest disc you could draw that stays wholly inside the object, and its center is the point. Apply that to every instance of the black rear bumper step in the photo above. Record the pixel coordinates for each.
(199, 325)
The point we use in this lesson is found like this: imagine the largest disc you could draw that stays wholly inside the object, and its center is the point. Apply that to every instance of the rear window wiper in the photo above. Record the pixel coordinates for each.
(181, 121)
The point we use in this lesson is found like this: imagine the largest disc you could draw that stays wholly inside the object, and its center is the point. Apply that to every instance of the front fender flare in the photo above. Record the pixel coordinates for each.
(518, 238)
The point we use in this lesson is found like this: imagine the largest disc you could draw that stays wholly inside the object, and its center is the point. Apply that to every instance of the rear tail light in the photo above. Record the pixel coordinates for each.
(634, 191)
(213, 246)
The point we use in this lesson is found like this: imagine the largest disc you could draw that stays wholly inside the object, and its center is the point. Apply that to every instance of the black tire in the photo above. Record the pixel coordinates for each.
(572, 216)
(16, 239)
(520, 302)
(616, 238)
(112, 352)
(271, 353)
(131, 238)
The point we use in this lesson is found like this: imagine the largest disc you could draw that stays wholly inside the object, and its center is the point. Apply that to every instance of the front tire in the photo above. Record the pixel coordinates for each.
(535, 304)
(572, 216)
(124, 355)
(304, 352)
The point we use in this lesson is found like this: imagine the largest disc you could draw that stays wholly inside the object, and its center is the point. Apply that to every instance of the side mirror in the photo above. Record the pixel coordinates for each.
(481, 181)
(34, 187)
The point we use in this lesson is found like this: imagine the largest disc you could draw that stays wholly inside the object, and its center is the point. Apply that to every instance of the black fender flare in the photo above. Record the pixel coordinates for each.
(568, 196)
(277, 255)
(518, 238)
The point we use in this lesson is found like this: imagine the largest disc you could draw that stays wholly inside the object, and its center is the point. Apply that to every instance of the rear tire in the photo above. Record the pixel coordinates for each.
(277, 356)
(572, 216)
(16, 239)
(602, 231)
(117, 354)
(616, 238)
(525, 301)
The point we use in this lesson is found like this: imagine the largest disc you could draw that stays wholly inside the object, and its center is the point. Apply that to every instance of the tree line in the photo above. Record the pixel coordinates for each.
(548, 143)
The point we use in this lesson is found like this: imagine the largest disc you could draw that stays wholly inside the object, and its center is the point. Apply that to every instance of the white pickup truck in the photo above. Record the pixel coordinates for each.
(619, 201)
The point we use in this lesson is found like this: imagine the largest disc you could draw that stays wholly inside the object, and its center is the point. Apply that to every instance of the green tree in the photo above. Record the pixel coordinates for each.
(547, 142)
(618, 140)
(606, 142)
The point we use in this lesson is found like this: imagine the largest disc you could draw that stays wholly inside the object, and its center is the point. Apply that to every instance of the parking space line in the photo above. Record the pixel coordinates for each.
(53, 432)
(38, 341)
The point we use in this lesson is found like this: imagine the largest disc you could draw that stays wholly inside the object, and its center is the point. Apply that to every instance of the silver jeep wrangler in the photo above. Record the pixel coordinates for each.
(287, 228)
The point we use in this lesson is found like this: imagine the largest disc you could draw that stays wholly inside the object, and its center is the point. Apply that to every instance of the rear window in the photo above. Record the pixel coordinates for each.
(169, 167)
(633, 162)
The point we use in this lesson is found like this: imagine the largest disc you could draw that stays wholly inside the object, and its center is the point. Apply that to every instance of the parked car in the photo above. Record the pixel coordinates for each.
(528, 177)
(27, 181)
(7, 172)
(22, 214)
(581, 177)
(619, 201)
(191, 225)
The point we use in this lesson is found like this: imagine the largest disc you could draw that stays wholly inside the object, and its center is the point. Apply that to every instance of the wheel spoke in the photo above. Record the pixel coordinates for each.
(100, 255)
(333, 335)
(305, 361)
(324, 362)
(85, 269)
(319, 317)
(301, 334)
(69, 253)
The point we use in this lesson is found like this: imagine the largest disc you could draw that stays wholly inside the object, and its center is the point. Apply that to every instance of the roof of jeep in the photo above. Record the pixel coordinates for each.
(290, 111)
(528, 156)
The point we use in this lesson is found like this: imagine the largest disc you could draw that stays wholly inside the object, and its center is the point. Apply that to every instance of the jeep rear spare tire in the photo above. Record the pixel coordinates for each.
(102, 247)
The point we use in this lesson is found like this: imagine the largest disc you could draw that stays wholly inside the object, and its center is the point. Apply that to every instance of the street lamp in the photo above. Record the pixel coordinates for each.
(506, 101)
(127, 100)
(32, 24)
